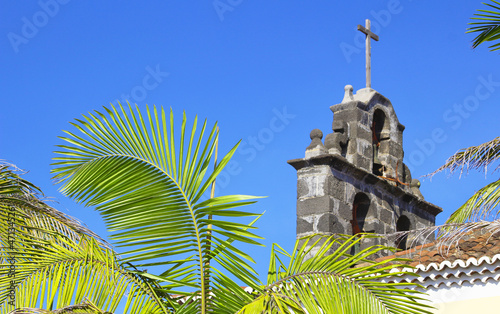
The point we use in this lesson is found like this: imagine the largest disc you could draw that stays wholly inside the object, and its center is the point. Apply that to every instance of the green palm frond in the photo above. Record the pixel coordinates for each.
(480, 206)
(487, 23)
(484, 202)
(11, 182)
(333, 281)
(149, 185)
(16, 193)
(86, 307)
(52, 271)
(50, 261)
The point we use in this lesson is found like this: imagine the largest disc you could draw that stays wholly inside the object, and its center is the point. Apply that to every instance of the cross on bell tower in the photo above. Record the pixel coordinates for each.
(369, 35)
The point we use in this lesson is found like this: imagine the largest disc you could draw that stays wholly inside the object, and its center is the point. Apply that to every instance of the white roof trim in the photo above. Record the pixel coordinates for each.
(449, 273)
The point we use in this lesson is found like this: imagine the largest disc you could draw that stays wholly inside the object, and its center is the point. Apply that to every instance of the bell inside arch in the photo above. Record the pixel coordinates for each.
(377, 164)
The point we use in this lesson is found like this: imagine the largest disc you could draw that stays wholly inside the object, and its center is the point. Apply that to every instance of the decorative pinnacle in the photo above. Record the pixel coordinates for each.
(348, 95)
(316, 147)
(316, 134)
(415, 183)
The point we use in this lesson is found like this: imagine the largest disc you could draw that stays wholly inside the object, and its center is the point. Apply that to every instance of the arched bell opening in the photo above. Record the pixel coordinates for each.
(360, 210)
(380, 130)
(403, 224)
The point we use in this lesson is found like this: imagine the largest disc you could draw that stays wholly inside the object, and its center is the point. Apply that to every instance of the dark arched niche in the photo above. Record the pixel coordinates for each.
(403, 224)
(379, 131)
(360, 209)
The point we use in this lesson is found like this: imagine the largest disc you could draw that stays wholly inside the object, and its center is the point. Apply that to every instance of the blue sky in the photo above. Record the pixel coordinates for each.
(267, 71)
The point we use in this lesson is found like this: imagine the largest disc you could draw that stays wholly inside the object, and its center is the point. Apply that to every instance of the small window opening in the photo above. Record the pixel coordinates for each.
(360, 208)
(378, 126)
(403, 224)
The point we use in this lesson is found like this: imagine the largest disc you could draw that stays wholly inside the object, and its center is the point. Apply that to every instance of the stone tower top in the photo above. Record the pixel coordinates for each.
(356, 181)
(375, 134)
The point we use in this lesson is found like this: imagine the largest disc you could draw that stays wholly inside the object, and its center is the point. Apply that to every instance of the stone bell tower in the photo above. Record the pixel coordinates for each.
(356, 181)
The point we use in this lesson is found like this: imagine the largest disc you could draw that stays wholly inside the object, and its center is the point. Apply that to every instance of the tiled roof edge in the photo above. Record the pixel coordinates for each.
(463, 271)
(472, 261)
(455, 264)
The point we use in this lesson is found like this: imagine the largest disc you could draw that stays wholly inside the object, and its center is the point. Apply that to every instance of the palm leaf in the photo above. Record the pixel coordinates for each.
(55, 273)
(57, 261)
(333, 281)
(483, 203)
(86, 307)
(480, 206)
(150, 189)
(17, 193)
(450, 235)
(473, 158)
(487, 24)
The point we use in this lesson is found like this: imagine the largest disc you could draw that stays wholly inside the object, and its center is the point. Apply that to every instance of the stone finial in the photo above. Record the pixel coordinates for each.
(415, 183)
(415, 188)
(316, 134)
(348, 94)
(334, 141)
(316, 147)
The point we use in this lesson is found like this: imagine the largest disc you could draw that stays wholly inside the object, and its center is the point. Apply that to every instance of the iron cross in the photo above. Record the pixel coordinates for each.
(369, 35)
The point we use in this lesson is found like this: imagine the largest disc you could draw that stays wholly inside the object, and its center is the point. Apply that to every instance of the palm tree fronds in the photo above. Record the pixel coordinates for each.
(50, 260)
(487, 23)
(480, 206)
(474, 157)
(483, 203)
(11, 182)
(86, 307)
(149, 183)
(19, 197)
(333, 281)
(58, 271)
(449, 235)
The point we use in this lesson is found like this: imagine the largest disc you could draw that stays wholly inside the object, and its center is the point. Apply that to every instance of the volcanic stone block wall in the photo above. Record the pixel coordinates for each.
(371, 123)
(327, 186)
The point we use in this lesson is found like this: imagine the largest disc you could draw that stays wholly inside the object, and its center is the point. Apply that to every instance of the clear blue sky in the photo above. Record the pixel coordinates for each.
(244, 63)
